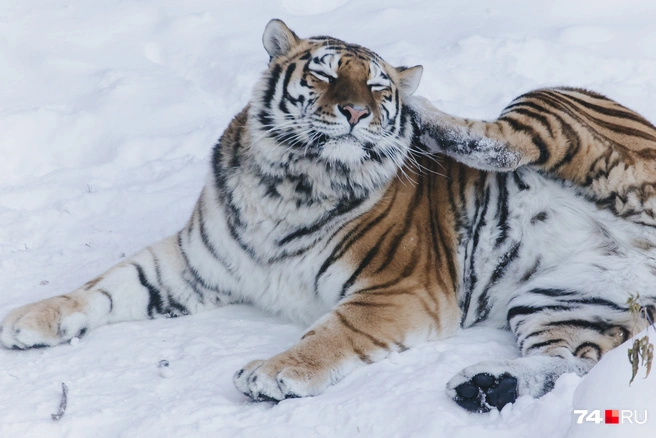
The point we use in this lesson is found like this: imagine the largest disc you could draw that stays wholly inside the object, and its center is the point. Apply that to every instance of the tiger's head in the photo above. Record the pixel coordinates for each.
(336, 104)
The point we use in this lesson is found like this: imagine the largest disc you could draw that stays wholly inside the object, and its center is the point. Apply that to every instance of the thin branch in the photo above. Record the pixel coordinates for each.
(62, 403)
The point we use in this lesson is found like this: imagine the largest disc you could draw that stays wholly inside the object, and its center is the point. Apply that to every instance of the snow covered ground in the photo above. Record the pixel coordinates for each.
(108, 111)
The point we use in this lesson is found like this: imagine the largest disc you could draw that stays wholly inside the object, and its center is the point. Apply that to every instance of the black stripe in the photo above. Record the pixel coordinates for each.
(539, 116)
(597, 326)
(464, 303)
(351, 327)
(452, 198)
(271, 86)
(530, 335)
(502, 209)
(599, 302)
(363, 264)
(621, 129)
(165, 291)
(197, 279)
(462, 186)
(235, 159)
(177, 306)
(285, 92)
(520, 182)
(531, 272)
(558, 100)
(342, 208)
(173, 308)
(406, 272)
(404, 117)
(397, 104)
(234, 222)
(190, 269)
(407, 225)
(483, 308)
(530, 310)
(506, 260)
(351, 238)
(553, 292)
(155, 302)
(542, 344)
(381, 286)
(592, 345)
(367, 304)
(109, 296)
(439, 239)
(233, 215)
(536, 138)
(472, 278)
(573, 142)
(264, 116)
(209, 245)
(389, 119)
(538, 110)
(217, 163)
(619, 111)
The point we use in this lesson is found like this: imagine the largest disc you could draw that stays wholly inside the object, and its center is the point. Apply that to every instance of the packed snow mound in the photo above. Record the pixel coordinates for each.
(108, 112)
(606, 387)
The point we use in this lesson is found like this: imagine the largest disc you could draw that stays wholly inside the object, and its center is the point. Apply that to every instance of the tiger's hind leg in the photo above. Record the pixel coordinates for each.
(551, 342)
(494, 384)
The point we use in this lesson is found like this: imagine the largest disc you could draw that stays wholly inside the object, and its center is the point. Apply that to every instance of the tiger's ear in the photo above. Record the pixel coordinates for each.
(408, 79)
(278, 39)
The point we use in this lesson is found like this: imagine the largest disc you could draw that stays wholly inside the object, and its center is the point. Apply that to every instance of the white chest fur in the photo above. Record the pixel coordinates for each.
(255, 267)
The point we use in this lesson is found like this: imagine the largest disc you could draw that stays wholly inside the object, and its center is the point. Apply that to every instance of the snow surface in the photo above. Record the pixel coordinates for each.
(605, 387)
(108, 111)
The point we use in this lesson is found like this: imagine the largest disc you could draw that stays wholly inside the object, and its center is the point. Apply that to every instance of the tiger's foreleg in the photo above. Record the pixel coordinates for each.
(156, 282)
(606, 150)
(476, 143)
(543, 128)
(364, 328)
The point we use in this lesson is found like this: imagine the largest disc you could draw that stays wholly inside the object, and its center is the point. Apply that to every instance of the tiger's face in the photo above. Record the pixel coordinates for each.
(334, 102)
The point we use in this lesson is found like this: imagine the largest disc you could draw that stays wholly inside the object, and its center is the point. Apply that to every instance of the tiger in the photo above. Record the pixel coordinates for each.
(338, 200)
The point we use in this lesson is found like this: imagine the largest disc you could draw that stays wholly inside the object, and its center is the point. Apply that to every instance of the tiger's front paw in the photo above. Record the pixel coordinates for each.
(44, 323)
(277, 379)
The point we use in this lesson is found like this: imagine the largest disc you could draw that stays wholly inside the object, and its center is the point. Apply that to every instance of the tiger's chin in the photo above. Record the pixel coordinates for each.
(345, 149)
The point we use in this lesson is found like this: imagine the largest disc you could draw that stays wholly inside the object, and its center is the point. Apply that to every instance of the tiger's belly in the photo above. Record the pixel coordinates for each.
(533, 234)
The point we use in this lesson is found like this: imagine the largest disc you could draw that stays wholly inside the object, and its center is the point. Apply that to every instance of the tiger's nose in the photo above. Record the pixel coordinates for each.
(354, 114)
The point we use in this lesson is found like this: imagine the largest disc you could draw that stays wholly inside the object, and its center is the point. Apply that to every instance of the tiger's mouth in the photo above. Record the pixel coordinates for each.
(347, 138)
(353, 137)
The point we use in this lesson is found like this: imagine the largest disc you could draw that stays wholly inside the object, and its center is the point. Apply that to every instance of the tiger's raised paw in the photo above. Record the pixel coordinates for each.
(44, 323)
(276, 379)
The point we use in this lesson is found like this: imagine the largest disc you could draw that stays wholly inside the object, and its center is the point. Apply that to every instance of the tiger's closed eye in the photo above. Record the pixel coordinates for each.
(378, 87)
(323, 76)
